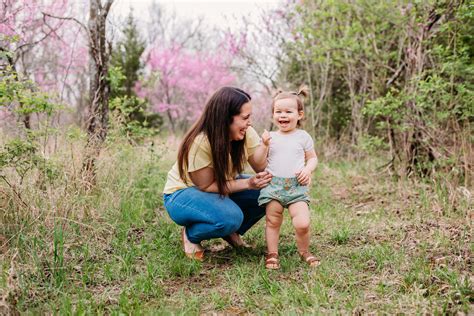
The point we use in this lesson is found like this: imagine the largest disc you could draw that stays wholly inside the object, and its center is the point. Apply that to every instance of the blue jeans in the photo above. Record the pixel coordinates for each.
(208, 215)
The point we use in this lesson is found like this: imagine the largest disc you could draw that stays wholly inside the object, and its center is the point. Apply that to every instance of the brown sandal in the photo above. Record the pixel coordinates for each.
(272, 262)
(196, 255)
(311, 260)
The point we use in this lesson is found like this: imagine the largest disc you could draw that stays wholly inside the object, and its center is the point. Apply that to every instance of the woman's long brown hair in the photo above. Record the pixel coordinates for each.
(215, 124)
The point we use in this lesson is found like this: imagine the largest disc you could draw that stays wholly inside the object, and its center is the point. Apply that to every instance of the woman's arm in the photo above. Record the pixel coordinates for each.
(205, 181)
(258, 161)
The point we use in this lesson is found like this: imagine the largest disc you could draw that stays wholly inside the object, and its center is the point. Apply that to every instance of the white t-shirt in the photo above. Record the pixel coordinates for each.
(286, 155)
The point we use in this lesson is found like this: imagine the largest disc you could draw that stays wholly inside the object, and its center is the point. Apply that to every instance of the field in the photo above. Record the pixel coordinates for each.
(386, 246)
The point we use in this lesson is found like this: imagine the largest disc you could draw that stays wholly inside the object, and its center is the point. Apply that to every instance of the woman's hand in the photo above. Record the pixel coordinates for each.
(260, 180)
(304, 176)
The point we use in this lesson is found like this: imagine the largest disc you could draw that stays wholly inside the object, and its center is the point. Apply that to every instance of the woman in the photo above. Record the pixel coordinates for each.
(204, 191)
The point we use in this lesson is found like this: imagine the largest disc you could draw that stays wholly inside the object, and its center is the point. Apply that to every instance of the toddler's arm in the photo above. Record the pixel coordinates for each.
(304, 175)
(311, 160)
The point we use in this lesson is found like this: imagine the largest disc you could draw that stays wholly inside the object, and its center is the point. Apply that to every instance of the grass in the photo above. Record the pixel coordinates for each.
(385, 247)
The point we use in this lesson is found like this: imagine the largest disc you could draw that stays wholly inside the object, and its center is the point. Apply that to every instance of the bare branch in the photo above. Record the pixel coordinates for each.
(396, 74)
(67, 18)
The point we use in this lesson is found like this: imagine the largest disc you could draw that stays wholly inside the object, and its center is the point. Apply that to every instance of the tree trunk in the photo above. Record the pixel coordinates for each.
(417, 154)
(97, 121)
(311, 98)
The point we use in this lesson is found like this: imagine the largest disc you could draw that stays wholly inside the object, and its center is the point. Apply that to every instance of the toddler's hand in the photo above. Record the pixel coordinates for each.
(304, 176)
(266, 138)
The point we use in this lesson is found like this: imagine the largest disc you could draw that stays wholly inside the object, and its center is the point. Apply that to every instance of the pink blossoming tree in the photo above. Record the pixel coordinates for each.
(49, 51)
(178, 82)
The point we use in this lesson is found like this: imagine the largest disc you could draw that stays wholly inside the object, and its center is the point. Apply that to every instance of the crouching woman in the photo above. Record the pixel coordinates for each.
(205, 191)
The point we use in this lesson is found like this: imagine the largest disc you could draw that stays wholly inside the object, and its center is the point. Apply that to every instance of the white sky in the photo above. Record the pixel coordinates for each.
(219, 13)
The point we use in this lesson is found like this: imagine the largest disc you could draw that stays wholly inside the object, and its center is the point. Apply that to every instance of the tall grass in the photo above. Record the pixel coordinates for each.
(385, 246)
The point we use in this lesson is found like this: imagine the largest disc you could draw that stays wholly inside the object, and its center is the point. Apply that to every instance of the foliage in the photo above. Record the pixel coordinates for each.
(126, 56)
(371, 145)
(124, 72)
(344, 52)
(21, 154)
(130, 111)
(49, 50)
(134, 120)
(436, 102)
(19, 94)
(14, 91)
(400, 72)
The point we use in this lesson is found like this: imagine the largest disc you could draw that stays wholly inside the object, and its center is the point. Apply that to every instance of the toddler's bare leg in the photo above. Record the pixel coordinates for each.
(300, 216)
(274, 218)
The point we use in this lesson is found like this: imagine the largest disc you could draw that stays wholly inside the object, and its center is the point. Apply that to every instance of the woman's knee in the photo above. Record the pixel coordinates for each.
(228, 226)
(230, 222)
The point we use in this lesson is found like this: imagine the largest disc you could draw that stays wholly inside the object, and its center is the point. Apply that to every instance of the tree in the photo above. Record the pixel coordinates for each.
(166, 30)
(126, 55)
(126, 63)
(179, 82)
(398, 74)
(97, 121)
(262, 63)
(27, 33)
(427, 112)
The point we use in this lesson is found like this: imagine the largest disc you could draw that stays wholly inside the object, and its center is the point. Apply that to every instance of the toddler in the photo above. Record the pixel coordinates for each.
(291, 160)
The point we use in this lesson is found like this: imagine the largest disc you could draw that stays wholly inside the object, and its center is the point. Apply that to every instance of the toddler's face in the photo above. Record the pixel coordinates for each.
(286, 115)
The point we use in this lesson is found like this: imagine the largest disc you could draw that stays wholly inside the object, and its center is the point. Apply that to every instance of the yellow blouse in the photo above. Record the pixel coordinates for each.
(200, 157)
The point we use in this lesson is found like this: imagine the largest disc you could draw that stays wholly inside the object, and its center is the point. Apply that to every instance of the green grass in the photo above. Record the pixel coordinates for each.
(385, 247)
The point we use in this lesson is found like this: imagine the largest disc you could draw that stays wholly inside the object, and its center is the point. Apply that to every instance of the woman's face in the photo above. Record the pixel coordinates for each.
(241, 122)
